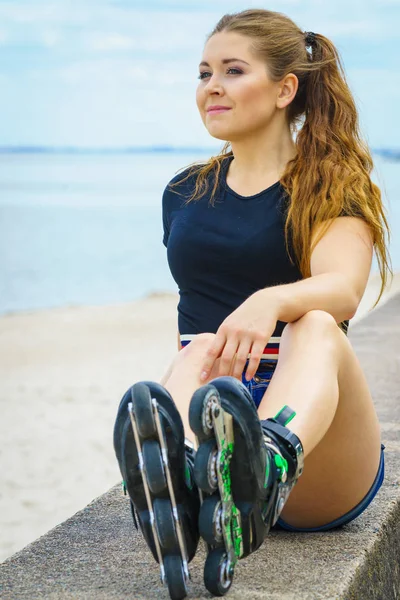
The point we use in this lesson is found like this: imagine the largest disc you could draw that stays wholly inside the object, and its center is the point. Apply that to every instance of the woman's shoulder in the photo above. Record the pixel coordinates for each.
(181, 186)
(187, 174)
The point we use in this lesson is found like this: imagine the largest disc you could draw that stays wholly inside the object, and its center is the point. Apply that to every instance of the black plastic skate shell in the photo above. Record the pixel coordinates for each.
(150, 446)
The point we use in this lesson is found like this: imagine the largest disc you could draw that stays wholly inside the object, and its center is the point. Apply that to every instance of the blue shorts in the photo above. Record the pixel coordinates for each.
(257, 387)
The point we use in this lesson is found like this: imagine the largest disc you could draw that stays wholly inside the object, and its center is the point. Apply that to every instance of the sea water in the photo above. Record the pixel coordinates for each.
(87, 228)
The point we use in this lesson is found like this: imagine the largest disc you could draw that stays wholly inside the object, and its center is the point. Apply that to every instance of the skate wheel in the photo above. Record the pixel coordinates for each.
(143, 410)
(165, 524)
(154, 467)
(205, 466)
(210, 520)
(218, 575)
(175, 577)
(200, 419)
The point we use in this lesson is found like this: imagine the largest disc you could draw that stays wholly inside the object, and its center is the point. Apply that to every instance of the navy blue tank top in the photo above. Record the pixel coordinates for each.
(219, 255)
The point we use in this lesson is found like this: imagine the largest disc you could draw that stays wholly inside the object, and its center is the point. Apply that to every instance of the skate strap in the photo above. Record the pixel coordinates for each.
(283, 436)
(284, 416)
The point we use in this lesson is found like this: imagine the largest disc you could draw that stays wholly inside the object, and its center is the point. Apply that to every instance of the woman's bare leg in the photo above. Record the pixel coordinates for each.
(319, 376)
(184, 375)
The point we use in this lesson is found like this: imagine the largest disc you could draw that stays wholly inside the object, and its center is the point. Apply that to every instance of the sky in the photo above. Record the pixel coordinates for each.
(116, 73)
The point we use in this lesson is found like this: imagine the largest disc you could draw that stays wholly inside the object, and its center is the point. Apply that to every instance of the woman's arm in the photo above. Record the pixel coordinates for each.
(340, 267)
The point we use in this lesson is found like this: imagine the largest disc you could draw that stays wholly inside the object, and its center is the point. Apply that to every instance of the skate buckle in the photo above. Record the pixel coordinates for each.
(283, 494)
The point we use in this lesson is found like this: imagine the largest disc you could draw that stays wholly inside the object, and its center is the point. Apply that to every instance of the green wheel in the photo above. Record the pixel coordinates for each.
(210, 520)
(175, 577)
(143, 409)
(205, 466)
(218, 575)
(200, 419)
(165, 524)
(154, 468)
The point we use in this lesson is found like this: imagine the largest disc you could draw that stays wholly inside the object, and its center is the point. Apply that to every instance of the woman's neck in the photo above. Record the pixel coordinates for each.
(261, 157)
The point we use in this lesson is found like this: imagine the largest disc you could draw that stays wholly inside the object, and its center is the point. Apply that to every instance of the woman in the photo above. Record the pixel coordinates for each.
(271, 244)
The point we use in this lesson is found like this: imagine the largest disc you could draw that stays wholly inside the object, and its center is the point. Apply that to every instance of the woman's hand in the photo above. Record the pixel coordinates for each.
(246, 331)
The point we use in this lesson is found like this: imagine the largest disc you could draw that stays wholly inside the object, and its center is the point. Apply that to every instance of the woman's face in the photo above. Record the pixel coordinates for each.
(242, 85)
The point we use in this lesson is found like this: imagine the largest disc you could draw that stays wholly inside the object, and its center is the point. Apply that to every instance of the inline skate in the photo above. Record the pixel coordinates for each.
(244, 469)
(156, 466)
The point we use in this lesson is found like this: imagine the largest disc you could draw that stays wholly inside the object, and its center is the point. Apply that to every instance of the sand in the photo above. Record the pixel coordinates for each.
(62, 374)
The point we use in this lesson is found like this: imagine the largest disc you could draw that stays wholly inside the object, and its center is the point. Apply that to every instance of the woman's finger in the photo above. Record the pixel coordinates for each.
(255, 357)
(212, 354)
(227, 356)
(241, 358)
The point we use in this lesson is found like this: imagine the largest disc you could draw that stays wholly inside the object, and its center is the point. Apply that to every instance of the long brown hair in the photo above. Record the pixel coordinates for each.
(330, 174)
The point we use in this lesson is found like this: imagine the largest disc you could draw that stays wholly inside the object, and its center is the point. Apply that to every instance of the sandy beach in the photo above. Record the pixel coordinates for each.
(62, 374)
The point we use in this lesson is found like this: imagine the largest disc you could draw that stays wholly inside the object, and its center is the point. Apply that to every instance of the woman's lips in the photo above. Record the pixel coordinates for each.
(217, 111)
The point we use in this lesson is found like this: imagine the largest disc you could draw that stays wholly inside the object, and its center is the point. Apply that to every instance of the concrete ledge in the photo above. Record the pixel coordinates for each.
(97, 554)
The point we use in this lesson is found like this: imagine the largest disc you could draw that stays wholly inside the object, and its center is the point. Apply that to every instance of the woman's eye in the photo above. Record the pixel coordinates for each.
(201, 76)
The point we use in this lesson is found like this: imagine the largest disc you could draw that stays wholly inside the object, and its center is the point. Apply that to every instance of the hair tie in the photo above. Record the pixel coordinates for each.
(310, 38)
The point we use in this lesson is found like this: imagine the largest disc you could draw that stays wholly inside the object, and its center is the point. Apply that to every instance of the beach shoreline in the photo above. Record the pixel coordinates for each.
(63, 372)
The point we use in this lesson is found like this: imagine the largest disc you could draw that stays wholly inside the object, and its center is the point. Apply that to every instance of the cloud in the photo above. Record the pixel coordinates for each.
(110, 42)
(49, 38)
(133, 66)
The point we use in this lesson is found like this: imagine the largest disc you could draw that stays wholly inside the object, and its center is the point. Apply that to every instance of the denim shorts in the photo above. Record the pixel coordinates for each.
(257, 387)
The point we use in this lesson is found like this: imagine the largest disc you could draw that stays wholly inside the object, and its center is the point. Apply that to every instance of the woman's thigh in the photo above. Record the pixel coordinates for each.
(341, 469)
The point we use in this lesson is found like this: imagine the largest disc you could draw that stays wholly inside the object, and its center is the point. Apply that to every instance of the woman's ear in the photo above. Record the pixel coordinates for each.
(287, 90)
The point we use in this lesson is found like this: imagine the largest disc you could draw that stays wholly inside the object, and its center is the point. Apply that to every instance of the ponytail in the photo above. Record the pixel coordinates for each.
(330, 176)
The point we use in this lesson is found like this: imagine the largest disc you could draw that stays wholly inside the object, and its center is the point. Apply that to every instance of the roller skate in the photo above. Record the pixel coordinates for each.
(156, 467)
(244, 470)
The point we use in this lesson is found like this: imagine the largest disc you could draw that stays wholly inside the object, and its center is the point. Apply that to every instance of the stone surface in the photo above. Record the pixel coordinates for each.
(97, 554)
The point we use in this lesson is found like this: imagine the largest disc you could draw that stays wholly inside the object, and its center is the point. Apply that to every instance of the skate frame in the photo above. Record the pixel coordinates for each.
(178, 524)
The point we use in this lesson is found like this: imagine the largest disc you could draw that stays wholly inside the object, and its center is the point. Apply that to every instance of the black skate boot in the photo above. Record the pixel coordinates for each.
(244, 472)
(156, 466)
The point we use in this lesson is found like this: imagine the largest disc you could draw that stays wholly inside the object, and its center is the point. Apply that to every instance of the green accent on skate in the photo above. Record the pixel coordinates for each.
(267, 469)
(226, 454)
(188, 478)
(124, 487)
(236, 532)
(231, 527)
(292, 416)
(281, 463)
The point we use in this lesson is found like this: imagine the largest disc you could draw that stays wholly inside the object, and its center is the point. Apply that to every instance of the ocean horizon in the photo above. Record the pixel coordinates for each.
(389, 153)
(84, 227)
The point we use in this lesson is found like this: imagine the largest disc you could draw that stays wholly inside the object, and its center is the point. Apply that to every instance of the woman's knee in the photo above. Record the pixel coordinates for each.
(197, 347)
(315, 320)
(315, 326)
(189, 360)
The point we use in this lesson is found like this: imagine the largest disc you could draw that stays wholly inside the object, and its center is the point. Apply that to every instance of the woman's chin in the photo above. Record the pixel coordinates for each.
(223, 136)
